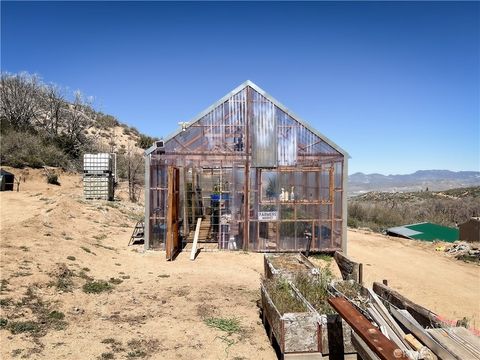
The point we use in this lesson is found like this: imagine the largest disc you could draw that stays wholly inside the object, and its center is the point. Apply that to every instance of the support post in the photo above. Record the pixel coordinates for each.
(146, 225)
(344, 204)
(246, 198)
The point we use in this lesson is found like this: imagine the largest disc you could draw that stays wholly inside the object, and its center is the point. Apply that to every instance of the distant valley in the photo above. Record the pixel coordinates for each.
(434, 180)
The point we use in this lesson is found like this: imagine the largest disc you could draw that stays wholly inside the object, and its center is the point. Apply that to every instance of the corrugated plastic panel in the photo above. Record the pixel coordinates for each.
(264, 132)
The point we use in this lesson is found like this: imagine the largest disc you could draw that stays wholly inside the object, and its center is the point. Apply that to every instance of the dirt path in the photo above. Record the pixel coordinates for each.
(444, 285)
(53, 243)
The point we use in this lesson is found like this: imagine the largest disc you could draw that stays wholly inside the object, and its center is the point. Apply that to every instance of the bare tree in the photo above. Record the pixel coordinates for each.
(54, 106)
(76, 119)
(20, 102)
(131, 167)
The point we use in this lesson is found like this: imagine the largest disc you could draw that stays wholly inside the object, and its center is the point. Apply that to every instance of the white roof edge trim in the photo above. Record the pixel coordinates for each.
(150, 150)
(274, 101)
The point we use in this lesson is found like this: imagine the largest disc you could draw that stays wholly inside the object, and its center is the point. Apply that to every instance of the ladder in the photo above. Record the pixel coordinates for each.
(138, 232)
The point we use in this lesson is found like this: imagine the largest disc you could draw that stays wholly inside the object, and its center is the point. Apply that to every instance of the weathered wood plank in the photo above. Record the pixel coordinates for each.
(195, 239)
(294, 332)
(412, 340)
(376, 341)
(456, 345)
(425, 317)
(467, 335)
(348, 268)
(413, 326)
(391, 323)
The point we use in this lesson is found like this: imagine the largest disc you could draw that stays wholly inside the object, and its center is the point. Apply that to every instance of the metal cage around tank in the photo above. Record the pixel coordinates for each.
(262, 178)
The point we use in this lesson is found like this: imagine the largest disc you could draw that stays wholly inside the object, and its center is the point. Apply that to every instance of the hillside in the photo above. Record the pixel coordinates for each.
(45, 125)
(417, 196)
(434, 180)
(381, 210)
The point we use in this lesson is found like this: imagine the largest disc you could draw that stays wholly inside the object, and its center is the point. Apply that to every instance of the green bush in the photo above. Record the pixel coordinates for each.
(25, 149)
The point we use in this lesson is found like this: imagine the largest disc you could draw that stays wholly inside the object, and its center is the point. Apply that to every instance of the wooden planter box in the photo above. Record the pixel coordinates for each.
(295, 333)
(287, 265)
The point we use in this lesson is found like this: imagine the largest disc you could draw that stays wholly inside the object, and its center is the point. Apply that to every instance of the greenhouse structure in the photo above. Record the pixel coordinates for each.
(247, 174)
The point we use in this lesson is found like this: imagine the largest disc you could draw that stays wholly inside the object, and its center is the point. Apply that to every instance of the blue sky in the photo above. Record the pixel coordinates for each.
(395, 84)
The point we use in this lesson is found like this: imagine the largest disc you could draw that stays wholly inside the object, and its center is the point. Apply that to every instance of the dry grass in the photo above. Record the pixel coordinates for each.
(353, 291)
(283, 296)
(287, 262)
(314, 289)
(44, 316)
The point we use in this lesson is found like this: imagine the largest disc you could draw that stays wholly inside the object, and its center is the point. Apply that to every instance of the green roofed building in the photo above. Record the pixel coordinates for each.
(426, 232)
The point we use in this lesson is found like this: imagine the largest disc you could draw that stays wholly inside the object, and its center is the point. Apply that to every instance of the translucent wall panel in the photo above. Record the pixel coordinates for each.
(263, 129)
(221, 130)
(287, 139)
(158, 204)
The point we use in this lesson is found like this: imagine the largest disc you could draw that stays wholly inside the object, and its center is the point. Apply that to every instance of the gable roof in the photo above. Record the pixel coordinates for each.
(426, 231)
(269, 97)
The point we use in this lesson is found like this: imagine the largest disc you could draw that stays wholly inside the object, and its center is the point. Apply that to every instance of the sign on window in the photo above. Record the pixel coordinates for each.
(267, 215)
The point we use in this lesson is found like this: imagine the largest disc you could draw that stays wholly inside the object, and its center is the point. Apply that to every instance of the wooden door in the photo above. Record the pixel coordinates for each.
(173, 239)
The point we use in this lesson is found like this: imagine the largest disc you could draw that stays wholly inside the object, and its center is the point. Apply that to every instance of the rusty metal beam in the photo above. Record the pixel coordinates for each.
(376, 341)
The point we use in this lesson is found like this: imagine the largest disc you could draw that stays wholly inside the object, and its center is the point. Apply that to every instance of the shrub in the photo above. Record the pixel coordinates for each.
(63, 277)
(3, 323)
(96, 287)
(18, 327)
(25, 149)
(106, 121)
(145, 141)
(52, 179)
(379, 211)
(56, 315)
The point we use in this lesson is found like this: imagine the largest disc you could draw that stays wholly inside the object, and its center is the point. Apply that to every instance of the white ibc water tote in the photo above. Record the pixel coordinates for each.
(99, 176)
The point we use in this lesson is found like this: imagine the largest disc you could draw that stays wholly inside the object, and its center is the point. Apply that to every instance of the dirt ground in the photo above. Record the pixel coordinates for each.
(446, 286)
(53, 243)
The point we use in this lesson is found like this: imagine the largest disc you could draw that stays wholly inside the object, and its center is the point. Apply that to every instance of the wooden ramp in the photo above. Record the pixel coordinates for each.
(204, 242)
(204, 236)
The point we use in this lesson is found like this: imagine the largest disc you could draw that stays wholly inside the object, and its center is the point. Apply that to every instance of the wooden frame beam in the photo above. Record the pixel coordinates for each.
(384, 348)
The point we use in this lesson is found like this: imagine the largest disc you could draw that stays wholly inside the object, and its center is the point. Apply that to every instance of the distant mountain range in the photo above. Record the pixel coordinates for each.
(435, 180)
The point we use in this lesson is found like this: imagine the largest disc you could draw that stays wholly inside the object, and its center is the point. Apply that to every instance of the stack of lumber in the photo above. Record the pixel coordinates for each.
(407, 330)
